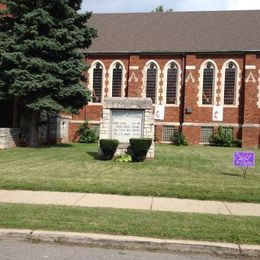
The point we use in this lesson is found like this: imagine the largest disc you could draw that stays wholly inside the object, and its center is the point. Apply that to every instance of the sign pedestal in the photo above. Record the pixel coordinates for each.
(125, 118)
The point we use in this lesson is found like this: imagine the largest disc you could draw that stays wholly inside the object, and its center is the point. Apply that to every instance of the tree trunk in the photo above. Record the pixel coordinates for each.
(48, 130)
(34, 129)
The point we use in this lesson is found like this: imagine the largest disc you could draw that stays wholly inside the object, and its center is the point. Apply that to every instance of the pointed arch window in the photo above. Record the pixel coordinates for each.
(172, 81)
(208, 84)
(117, 80)
(151, 81)
(97, 83)
(230, 84)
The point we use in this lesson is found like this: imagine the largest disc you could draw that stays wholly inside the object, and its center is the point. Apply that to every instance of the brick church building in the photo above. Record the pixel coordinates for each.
(203, 68)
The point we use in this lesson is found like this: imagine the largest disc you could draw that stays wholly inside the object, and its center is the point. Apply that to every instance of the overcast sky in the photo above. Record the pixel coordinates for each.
(128, 6)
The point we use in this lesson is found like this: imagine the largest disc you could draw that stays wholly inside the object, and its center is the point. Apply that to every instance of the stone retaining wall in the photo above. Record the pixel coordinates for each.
(10, 137)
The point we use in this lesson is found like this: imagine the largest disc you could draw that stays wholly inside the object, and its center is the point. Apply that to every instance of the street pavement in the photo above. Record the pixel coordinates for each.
(21, 250)
(129, 202)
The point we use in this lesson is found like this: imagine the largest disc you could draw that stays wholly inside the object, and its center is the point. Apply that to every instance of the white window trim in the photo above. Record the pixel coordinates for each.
(157, 90)
(90, 79)
(164, 79)
(215, 83)
(110, 78)
(237, 83)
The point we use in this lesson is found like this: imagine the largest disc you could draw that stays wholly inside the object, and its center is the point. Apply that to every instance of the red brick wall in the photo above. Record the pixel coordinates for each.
(246, 112)
(251, 129)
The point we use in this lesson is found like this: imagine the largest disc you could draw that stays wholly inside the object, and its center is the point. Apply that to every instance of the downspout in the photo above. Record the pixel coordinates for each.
(182, 105)
(242, 97)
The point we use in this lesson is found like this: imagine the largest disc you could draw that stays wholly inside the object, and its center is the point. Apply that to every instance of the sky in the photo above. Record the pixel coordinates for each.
(129, 6)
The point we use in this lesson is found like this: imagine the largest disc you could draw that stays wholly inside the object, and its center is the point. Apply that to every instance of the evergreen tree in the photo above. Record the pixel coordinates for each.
(41, 59)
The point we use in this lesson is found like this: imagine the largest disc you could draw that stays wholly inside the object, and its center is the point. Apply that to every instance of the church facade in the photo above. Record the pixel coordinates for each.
(202, 69)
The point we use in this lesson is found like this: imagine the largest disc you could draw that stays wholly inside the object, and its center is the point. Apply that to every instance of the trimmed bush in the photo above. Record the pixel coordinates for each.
(140, 147)
(178, 138)
(86, 134)
(108, 147)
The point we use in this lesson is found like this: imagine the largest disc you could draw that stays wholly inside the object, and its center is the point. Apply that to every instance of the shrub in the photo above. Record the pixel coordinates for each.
(108, 147)
(123, 158)
(237, 143)
(223, 137)
(86, 134)
(140, 147)
(178, 138)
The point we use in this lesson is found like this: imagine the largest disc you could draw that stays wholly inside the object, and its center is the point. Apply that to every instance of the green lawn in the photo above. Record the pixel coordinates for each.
(243, 230)
(184, 172)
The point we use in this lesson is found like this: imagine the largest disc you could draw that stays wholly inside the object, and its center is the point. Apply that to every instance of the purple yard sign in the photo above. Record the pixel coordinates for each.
(244, 159)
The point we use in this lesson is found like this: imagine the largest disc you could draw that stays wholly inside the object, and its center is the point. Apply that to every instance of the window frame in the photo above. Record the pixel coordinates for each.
(201, 132)
(201, 85)
(237, 84)
(123, 84)
(173, 128)
(165, 83)
(90, 80)
(157, 87)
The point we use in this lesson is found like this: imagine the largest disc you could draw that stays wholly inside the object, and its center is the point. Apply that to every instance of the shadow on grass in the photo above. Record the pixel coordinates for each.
(53, 146)
(95, 155)
(231, 174)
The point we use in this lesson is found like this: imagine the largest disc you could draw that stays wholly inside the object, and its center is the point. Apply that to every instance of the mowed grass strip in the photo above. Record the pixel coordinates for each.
(243, 230)
(193, 172)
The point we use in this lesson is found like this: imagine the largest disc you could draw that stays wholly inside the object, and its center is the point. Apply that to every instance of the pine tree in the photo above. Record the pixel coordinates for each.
(41, 58)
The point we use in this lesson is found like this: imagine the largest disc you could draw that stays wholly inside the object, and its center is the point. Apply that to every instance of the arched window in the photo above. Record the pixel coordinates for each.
(230, 84)
(172, 81)
(151, 81)
(117, 80)
(208, 84)
(97, 83)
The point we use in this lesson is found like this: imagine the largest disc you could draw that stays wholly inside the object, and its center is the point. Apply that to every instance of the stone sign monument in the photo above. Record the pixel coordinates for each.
(125, 118)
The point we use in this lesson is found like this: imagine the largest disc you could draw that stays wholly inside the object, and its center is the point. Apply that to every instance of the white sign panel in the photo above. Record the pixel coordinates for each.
(217, 113)
(126, 124)
(159, 112)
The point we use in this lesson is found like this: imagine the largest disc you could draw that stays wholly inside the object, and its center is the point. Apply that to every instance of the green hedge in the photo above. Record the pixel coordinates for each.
(140, 147)
(108, 147)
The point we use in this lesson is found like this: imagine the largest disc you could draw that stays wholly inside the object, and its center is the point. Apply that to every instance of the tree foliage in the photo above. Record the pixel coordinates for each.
(160, 9)
(40, 53)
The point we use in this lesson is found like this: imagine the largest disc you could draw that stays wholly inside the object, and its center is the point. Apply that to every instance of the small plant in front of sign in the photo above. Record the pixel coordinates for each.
(108, 147)
(124, 158)
(140, 147)
(178, 138)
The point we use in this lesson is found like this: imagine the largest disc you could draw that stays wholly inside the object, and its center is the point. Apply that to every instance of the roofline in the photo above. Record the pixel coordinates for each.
(179, 12)
(171, 53)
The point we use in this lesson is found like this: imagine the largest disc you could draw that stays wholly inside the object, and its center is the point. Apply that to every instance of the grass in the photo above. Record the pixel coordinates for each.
(183, 172)
(243, 230)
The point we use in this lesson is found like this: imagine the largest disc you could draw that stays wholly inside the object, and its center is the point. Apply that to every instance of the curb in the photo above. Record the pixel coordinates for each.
(131, 242)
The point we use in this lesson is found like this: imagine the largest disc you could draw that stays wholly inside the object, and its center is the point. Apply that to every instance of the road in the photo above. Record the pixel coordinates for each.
(20, 250)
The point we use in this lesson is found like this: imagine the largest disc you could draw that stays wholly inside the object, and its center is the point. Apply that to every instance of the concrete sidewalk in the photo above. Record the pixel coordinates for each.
(129, 202)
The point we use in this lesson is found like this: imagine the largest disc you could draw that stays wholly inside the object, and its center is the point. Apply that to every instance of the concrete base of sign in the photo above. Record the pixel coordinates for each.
(128, 126)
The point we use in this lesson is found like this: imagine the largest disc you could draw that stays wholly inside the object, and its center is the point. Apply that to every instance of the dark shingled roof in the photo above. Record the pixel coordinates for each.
(175, 32)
